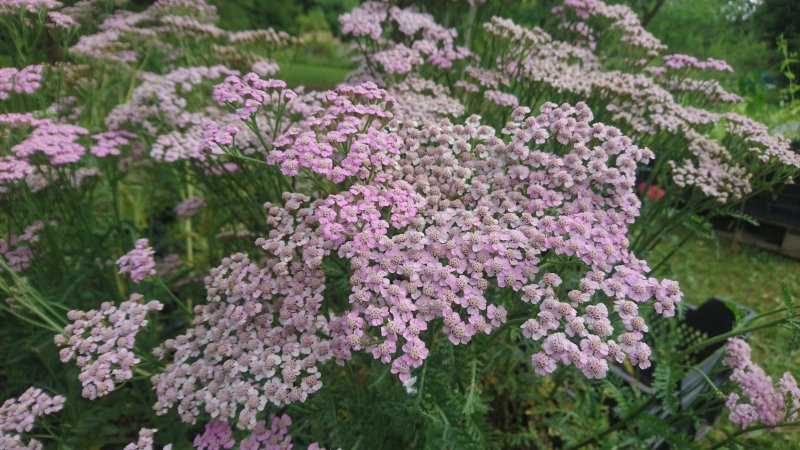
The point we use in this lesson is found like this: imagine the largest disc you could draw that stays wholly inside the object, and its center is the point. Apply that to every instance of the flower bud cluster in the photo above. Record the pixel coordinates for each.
(110, 143)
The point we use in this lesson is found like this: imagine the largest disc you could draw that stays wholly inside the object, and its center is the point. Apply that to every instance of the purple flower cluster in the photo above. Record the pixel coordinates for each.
(101, 342)
(11, 7)
(616, 18)
(459, 208)
(60, 20)
(56, 141)
(189, 207)
(275, 436)
(679, 61)
(501, 98)
(257, 340)
(17, 416)
(216, 435)
(765, 403)
(646, 101)
(22, 81)
(139, 262)
(423, 41)
(145, 441)
(251, 93)
(420, 100)
(16, 251)
(219, 435)
(161, 27)
(111, 142)
(341, 138)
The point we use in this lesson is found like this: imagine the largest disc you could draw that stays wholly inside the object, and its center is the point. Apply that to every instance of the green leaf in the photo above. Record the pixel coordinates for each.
(788, 298)
(664, 385)
(743, 217)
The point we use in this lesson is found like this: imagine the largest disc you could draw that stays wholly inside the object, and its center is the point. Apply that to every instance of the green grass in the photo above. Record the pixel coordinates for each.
(751, 277)
(743, 274)
(313, 77)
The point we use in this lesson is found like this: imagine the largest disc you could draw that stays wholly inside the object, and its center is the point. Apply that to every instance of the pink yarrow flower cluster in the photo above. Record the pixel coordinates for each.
(145, 441)
(342, 138)
(139, 262)
(110, 143)
(679, 61)
(18, 414)
(16, 251)
(20, 81)
(421, 40)
(189, 207)
(250, 93)
(258, 340)
(454, 208)
(759, 400)
(101, 342)
(270, 434)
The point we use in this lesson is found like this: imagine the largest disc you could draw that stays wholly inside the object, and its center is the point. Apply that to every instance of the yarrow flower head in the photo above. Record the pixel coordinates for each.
(16, 251)
(428, 217)
(250, 93)
(267, 317)
(759, 400)
(342, 138)
(20, 81)
(101, 342)
(421, 41)
(189, 207)
(111, 142)
(139, 262)
(17, 416)
(145, 441)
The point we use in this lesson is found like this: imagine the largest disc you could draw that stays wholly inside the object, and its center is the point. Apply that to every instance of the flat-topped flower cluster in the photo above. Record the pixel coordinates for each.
(425, 219)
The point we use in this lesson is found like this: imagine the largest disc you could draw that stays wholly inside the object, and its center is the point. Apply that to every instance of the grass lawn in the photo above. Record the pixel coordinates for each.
(313, 77)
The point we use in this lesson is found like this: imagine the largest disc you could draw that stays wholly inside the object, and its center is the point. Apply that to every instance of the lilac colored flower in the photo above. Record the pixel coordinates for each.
(271, 434)
(109, 143)
(16, 251)
(23, 81)
(761, 401)
(145, 441)
(18, 414)
(139, 262)
(216, 435)
(101, 342)
(189, 207)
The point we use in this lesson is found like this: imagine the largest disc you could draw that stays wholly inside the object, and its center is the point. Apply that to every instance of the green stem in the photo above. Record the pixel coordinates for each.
(732, 438)
(725, 336)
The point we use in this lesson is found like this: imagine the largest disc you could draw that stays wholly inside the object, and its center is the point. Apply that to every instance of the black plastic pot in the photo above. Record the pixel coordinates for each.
(710, 319)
